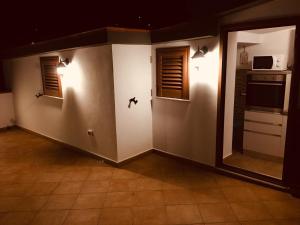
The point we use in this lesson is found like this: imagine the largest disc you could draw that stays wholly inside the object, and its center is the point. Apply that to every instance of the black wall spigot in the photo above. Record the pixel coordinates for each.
(135, 101)
(39, 95)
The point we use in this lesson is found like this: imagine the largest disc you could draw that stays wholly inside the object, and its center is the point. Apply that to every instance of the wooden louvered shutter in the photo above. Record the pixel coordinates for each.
(172, 72)
(51, 80)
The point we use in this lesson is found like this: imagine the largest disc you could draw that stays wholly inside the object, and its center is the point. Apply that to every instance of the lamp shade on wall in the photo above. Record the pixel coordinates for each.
(62, 66)
(200, 52)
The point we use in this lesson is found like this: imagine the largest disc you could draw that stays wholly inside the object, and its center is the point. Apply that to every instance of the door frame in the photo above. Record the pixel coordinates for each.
(259, 24)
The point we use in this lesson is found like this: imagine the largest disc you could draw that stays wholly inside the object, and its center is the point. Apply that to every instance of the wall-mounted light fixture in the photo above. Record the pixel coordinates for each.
(200, 52)
(62, 65)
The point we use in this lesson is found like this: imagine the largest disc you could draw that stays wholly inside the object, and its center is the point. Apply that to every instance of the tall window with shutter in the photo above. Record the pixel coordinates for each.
(172, 72)
(51, 80)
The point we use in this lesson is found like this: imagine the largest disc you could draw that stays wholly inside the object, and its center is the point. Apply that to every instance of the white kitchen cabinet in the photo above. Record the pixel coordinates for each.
(264, 132)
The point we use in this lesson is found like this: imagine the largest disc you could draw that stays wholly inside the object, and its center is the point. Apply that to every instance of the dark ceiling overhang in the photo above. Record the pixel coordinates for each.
(115, 35)
(108, 35)
(195, 29)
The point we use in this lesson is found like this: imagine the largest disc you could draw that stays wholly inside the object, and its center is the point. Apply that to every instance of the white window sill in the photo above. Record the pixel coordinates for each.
(174, 99)
(49, 96)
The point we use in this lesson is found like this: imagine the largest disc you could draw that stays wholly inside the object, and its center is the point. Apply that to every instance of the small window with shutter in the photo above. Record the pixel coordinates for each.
(172, 72)
(51, 80)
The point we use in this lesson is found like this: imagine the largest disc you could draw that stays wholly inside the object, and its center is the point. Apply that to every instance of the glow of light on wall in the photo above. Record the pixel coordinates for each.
(205, 70)
(73, 76)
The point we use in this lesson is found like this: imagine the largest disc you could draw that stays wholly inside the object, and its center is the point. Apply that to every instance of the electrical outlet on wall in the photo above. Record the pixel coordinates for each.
(90, 132)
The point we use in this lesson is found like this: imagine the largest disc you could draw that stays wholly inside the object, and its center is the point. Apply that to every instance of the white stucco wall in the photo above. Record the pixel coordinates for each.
(132, 78)
(188, 128)
(7, 115)
(88, 100)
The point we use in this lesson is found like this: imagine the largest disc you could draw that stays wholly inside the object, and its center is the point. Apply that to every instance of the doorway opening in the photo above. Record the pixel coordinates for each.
(258, 62)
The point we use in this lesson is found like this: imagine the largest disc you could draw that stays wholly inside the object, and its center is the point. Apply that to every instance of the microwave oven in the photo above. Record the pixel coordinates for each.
(269, 62)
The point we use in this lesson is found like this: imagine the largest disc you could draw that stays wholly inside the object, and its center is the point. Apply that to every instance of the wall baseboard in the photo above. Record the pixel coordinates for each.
(137, 156)
(6, 128)
(185, 160)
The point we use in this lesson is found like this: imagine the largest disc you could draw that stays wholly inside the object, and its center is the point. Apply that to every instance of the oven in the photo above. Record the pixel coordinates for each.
(268, 91)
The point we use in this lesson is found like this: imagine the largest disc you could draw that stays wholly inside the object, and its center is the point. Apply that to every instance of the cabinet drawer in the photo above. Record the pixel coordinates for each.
(263, 128)
(265, 144)
(271, 118)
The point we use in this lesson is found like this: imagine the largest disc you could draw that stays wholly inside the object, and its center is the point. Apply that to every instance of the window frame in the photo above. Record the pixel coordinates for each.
(51, 61)
(183, 51)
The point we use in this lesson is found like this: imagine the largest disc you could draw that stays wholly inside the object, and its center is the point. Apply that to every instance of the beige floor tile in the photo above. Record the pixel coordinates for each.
(223, 181)
(119, 199)
(50, 218)
(247, 211)
(116, 216)
(175, 183)
(124, 174)
(17, 218)
(150, 215)
(77, 175)
(265, 222)
(217, 212)
(283, 209)
(15, 189)
(100, 173)
(57, 202)
(239, 194)
(82, 217)
(202, 182)
(288, 222)
(27, 176)
(178, 197)
(211, 195)
(51, 177)
(68, 188)
(31, 203)
(268, 194)
(89, 201)
(117, 185)
(183, 214)
(95, 186)
(148, 198)
(42, 188)
(148, 184)
(225, 223)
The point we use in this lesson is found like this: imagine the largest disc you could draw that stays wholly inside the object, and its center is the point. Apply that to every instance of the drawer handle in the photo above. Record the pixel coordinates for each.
(268, 123)
(258, 132)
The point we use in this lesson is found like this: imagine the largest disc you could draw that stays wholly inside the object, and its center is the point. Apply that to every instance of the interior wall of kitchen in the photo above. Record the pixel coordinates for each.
(88, 100)
(132, 78)
(265, 43)
(7, 115)
(188, 128)
(275, 42)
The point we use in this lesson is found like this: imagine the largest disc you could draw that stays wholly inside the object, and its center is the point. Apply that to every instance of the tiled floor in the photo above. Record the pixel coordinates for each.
(44, 184)
(255, 164)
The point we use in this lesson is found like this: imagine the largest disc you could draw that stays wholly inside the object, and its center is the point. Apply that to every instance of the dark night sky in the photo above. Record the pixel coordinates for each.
(23, 22)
